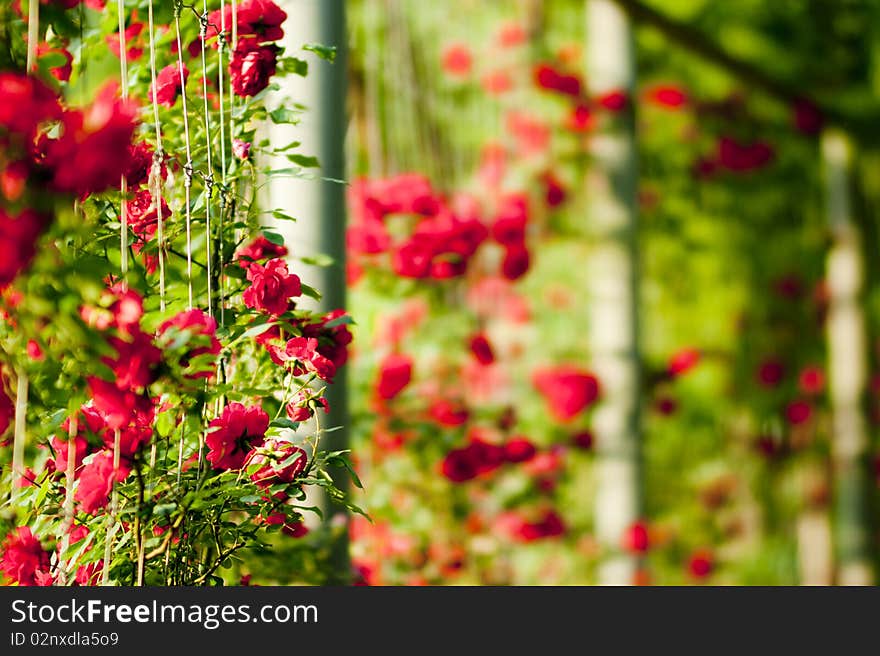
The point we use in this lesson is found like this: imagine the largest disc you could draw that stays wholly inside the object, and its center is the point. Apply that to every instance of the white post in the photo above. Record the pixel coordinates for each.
(318, 204)
(613, 296)
(847, 362)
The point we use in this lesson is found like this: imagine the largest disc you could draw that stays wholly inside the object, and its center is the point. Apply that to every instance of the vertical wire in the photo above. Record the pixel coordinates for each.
(123, 184)
(19, 435)
(156, 171)
(221, 49)
(112, 516)
(187, 169)
(33, 34)
(64, 569)
(209, 178)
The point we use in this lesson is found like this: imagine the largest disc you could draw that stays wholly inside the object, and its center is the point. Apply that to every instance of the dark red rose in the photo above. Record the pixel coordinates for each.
(771, 372)
(18, 236)
(262, 18)
(169, 84)
(271, 288)
(482, 349)
(798, 412)
(547, 77)
(583, 440)
(516, 262)
(519, 449)
(235, 432)
(251, 67)
(701, 563)
(613, 101)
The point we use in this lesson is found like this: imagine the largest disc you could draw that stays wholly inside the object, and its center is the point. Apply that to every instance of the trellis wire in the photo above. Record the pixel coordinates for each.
(187, 169)
(33, 34)
(209, 177)
(156, 170)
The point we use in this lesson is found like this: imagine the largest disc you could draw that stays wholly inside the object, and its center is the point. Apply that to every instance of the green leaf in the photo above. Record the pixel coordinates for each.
(284, 115)
(324, 52)
(293, 65)
(273, 237)
(284, 422)
(311, 292)
(278, 214)
(319, 260)
(308, 161)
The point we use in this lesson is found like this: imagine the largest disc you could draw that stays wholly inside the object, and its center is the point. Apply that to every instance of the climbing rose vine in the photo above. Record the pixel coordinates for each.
(160, 377)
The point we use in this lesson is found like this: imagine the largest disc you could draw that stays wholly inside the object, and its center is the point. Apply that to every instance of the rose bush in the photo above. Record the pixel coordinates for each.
(162, 369)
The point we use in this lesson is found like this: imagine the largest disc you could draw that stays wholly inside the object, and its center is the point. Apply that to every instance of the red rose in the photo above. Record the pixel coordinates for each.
(448, 413)
(516, 262)
(259, 249)
(61, 446)
(812, 380)
(18, 236)
(140, 164)
(771, 372)
(271, 287)
(509, 226)
(554, 192)
(738, 157)
(395, 373)
(7, 412)
(798, 412)
(581, 119)
(519, 449)
(202, 330)
(93, 148)
(120, 407)
(303, 352)
(25, 103)
(260, 17)
(23, 560)
(277, 461)
(457, 60)
(701, 564)
(567, 390)
(583, 440)
(547, 77)
(241, 149)
(236, 431)
(168, 84)
(96, 481)
(300, 407)
(482, 349)
(637, 539)
(251, 67)
(460, 465)
(667, 96)
(683, 361)
(613, 101)
(63, 71)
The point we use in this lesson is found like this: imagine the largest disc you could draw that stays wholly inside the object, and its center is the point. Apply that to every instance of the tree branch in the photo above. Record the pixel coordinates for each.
(783, 90)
